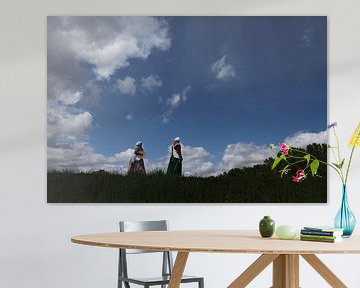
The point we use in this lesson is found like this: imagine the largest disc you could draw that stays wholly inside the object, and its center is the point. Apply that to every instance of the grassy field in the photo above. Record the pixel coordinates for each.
(258, 184)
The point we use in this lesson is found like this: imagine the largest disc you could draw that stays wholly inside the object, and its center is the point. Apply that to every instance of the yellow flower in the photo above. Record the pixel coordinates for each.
(355, 138)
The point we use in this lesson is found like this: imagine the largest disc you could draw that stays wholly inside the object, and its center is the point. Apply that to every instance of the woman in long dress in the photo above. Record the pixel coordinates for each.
(136, 165)
(175, 162)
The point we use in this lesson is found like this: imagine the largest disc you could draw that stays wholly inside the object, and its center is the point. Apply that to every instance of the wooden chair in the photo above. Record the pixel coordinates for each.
(167, 262)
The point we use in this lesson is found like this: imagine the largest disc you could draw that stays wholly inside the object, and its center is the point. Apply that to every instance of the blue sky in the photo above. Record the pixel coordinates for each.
(228, 86)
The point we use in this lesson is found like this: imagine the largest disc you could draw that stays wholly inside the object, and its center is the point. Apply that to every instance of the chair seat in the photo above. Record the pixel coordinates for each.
(158, 280)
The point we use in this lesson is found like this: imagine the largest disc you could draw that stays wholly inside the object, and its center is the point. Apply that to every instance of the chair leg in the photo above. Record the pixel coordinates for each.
(120, 273)
(201, 283)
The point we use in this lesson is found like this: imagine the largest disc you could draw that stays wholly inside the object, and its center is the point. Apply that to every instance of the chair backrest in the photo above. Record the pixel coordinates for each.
(134, 226)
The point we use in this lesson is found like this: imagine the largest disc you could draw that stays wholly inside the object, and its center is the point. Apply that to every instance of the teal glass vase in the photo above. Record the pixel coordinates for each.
(345, 219)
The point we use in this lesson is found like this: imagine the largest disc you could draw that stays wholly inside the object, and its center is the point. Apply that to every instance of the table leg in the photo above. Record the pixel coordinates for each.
(324, 271)
(253, 270)
(286, 271)
(178, 270)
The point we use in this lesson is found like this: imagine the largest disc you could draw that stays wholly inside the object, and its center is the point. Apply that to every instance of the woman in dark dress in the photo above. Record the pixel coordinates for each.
(175, 162)
(136, 165)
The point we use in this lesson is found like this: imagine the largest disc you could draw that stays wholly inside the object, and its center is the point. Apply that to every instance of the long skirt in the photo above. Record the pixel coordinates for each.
(136, 166)
(174, 167)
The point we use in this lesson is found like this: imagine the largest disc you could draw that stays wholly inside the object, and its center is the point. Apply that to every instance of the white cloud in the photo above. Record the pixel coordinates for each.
(122, 160)
(196, 162)
(185, 93)
(151, 82)
(302, 139)
(126, 86)
(241, 155)
(223, 70)
(65, 76)
(157, 164)
(70, 98)
(66, 126)
(108, 43)
(129, 117)
(105, 44)
(124, 155)
(70, 37)
(173, 102)
(79, 157)
(84, 158)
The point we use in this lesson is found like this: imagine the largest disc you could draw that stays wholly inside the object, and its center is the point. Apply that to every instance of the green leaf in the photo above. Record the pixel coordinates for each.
(307, 157)
(314, 167)
(342, 163)
(276, 161)
(272, 146)
(339, 166)
(336, 165)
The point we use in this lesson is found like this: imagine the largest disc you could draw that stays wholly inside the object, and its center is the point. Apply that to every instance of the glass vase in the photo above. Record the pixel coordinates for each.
(345, 219)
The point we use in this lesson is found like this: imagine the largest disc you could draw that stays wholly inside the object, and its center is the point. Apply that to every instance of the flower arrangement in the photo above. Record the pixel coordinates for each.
(294, 157)
(311, 163)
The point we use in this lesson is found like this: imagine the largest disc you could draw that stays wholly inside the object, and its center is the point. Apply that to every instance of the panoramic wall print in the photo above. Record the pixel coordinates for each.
(183, 109)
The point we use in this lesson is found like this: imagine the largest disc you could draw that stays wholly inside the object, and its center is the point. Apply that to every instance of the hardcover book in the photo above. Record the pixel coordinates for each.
(321, 233)
(328, 240)
(323, 228)
(319, 237)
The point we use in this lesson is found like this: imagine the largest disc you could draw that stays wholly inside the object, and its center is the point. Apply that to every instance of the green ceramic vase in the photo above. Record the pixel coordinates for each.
(266, 226)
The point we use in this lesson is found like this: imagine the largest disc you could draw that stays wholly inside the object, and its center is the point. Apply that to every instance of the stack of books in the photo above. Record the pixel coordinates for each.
(321, 234)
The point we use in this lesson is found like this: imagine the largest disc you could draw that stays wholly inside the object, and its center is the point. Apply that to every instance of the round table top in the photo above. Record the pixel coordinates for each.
(217, 241)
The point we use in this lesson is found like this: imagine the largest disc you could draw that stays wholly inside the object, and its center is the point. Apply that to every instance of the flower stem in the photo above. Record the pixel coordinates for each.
(292, 164)
(348, 167)
(336, 169)
(351, 155)
(339, 171)
(338, 146)
(322, 162)
(339, 160)
(333, 152)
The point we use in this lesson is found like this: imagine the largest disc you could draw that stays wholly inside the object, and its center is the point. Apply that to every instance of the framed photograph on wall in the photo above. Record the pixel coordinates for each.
(178, 109)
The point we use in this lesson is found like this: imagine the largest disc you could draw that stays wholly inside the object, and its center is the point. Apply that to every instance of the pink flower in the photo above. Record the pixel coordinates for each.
(284, 148)
(300, 172)
(300, 175)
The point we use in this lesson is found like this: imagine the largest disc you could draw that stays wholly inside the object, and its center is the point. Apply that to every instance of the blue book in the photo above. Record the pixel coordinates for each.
(322, 231)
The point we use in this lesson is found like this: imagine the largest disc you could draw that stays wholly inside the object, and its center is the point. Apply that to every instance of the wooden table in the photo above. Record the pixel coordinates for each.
(284, 254)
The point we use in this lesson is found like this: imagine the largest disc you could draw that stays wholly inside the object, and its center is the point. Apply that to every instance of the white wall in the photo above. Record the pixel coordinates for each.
(35, 248)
